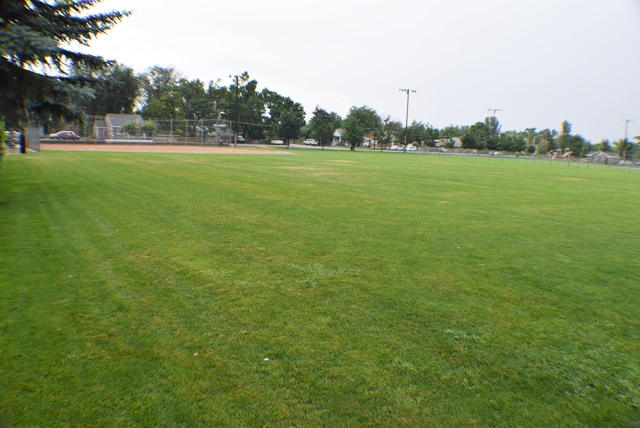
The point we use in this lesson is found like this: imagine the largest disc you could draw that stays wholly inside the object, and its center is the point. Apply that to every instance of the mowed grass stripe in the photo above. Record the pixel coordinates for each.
(384, 289)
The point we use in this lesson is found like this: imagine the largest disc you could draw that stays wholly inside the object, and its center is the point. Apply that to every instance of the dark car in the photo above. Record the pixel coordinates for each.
(64, 135)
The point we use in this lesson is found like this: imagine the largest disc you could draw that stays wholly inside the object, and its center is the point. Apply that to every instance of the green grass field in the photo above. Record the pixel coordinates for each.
(384, 290)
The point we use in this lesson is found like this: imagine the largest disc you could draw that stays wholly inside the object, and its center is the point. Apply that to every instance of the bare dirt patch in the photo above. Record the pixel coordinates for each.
(138, 148)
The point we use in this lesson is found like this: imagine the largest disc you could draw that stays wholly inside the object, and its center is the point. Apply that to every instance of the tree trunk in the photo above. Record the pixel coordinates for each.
(23, 139)
(21, 125)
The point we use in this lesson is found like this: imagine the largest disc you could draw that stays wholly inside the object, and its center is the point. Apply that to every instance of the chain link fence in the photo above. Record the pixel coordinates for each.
(133, 129)
(576, 162)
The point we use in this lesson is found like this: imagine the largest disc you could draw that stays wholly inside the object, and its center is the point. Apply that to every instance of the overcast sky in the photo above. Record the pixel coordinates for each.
(540, 61)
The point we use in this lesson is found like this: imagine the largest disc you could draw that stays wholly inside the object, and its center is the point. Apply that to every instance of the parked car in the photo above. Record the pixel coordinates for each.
(411, 148)
(443, 150)
(395, 148)
(310, 142)
(64, 135)
(277, 142)
(12, 138)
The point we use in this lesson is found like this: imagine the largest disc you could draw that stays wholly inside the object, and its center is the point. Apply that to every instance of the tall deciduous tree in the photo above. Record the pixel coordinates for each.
(285, 117)
(547, 141)
(493, 124)
(416, 132)
(384, 134)
(624, 148)
(451, 131)
(35, 58)
(160, 92)
(430, 136)
(322, 126)
(117, 90)
(353, 131)
(571, 143)
(476, 137)
(251, 106)
(360, 120)
(604, 145)
(512, 141)
(290, 124)
(157, 81)
(366, 117)
(565, 134)
(197, 101)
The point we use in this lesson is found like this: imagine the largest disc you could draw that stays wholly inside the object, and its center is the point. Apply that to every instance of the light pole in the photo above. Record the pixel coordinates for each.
(235, 128)
(626, 128)
(406, 122)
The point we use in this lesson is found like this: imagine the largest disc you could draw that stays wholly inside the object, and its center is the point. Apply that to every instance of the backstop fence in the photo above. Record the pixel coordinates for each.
(155, 131)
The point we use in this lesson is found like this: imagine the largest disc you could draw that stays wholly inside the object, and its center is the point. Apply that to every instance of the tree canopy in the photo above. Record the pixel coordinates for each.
(116, 91)
(322, 126)
(353, 131)
(35, 61)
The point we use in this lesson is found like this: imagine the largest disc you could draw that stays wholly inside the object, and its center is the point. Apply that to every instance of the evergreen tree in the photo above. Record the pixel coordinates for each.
(36, 77)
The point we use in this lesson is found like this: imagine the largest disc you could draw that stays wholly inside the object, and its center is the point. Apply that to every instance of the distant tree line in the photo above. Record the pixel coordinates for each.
(165, 92)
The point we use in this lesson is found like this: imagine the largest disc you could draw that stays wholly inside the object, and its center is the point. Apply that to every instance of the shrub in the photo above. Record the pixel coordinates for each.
(148, 127)
(131, 128)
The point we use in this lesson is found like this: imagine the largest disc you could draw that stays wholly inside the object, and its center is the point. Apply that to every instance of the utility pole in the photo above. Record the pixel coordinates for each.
(626, 128)
(626, 144)
(494, 110)
(406, 123)
(235, 128)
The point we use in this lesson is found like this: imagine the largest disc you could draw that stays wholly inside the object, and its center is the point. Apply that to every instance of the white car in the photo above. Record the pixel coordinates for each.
(395, 148)
(310, 142)
(412, 149)
(277, 142)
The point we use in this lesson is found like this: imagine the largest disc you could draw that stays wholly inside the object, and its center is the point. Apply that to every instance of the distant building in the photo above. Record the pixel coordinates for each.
(369, 139)
(454, 142)
(112, 125)
(337, 137)
(600, 157)
(100, 129)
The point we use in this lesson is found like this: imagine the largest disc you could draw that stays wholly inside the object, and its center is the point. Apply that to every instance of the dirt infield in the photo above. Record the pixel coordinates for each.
(140, 148)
